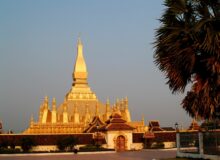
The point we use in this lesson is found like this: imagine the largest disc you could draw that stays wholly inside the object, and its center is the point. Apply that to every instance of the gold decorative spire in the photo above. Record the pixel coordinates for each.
(122, 104)
(107, 106)
(117, 101)
(46, 103)
(54, 111)
(107, 101)
(126, 103)
(65, 105)
(54, 104)
(97, 109)
(80, 71)
(143, 119)
(32, 119)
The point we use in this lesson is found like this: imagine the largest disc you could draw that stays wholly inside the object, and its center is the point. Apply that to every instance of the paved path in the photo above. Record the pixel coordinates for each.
(130, 155)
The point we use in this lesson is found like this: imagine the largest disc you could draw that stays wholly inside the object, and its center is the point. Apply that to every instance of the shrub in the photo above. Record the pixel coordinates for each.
(4, 144)
(12, 145)
(158, 145)
(67, 143)
(27, 143)
(9, 151)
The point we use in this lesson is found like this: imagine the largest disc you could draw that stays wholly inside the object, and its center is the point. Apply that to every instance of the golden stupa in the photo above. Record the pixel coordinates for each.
(79, 107)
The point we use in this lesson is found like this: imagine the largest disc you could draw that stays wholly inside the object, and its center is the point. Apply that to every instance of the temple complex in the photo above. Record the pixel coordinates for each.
(83, 116)
(79, 107)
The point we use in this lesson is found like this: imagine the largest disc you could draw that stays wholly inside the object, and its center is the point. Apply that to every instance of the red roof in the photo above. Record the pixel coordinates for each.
(156, 129)
(94, 126)
(116, 120)
(116, 123)
(115, 115)
(154, 126)
(168, 128)
(149, 135)
(116, 127)
(194, 126)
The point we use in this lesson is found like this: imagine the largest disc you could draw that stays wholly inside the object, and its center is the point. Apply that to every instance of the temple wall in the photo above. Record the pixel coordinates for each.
(45, 139)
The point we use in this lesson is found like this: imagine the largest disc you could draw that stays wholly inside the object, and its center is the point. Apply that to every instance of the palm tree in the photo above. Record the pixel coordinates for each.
(187, 50)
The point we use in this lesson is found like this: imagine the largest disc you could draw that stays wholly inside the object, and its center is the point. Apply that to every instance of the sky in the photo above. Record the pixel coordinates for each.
(38, 50)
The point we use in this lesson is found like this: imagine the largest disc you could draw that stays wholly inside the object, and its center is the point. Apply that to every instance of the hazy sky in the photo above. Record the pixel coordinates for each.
(38, 49)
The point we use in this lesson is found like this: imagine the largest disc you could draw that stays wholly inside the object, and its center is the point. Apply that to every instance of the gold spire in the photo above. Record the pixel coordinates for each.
(107, 106)
(54, 111)
(80, 71)
(54, 104)
(80, 89)
(126, 103)
(32, 119)
(143, 119)
(65, 105)
(46, 103)
(97, 109)
(107, 101)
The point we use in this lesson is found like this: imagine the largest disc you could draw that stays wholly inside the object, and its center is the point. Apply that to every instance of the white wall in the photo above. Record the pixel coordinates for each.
(137, 146)
(111, 137)
(169, 144)
(45, 148)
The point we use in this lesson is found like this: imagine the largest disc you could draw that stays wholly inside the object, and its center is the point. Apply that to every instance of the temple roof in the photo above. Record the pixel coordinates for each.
(149, 135)
(154, 126)
(116, 123)
(194, 126)
(95, 125)
(168, 129)
(115, 118)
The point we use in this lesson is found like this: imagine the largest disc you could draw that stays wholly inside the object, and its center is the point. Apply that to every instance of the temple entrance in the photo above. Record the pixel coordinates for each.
(120, 143)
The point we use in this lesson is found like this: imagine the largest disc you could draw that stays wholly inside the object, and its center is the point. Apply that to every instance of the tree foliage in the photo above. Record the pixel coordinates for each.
(4, 144)
(27, 143)
(67, 143)
(187, 50)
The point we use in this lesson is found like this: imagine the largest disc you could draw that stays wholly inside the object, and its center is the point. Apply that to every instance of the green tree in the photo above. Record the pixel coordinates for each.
(27, 143)
(66, 143)
(4, 144)
(187, 50)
